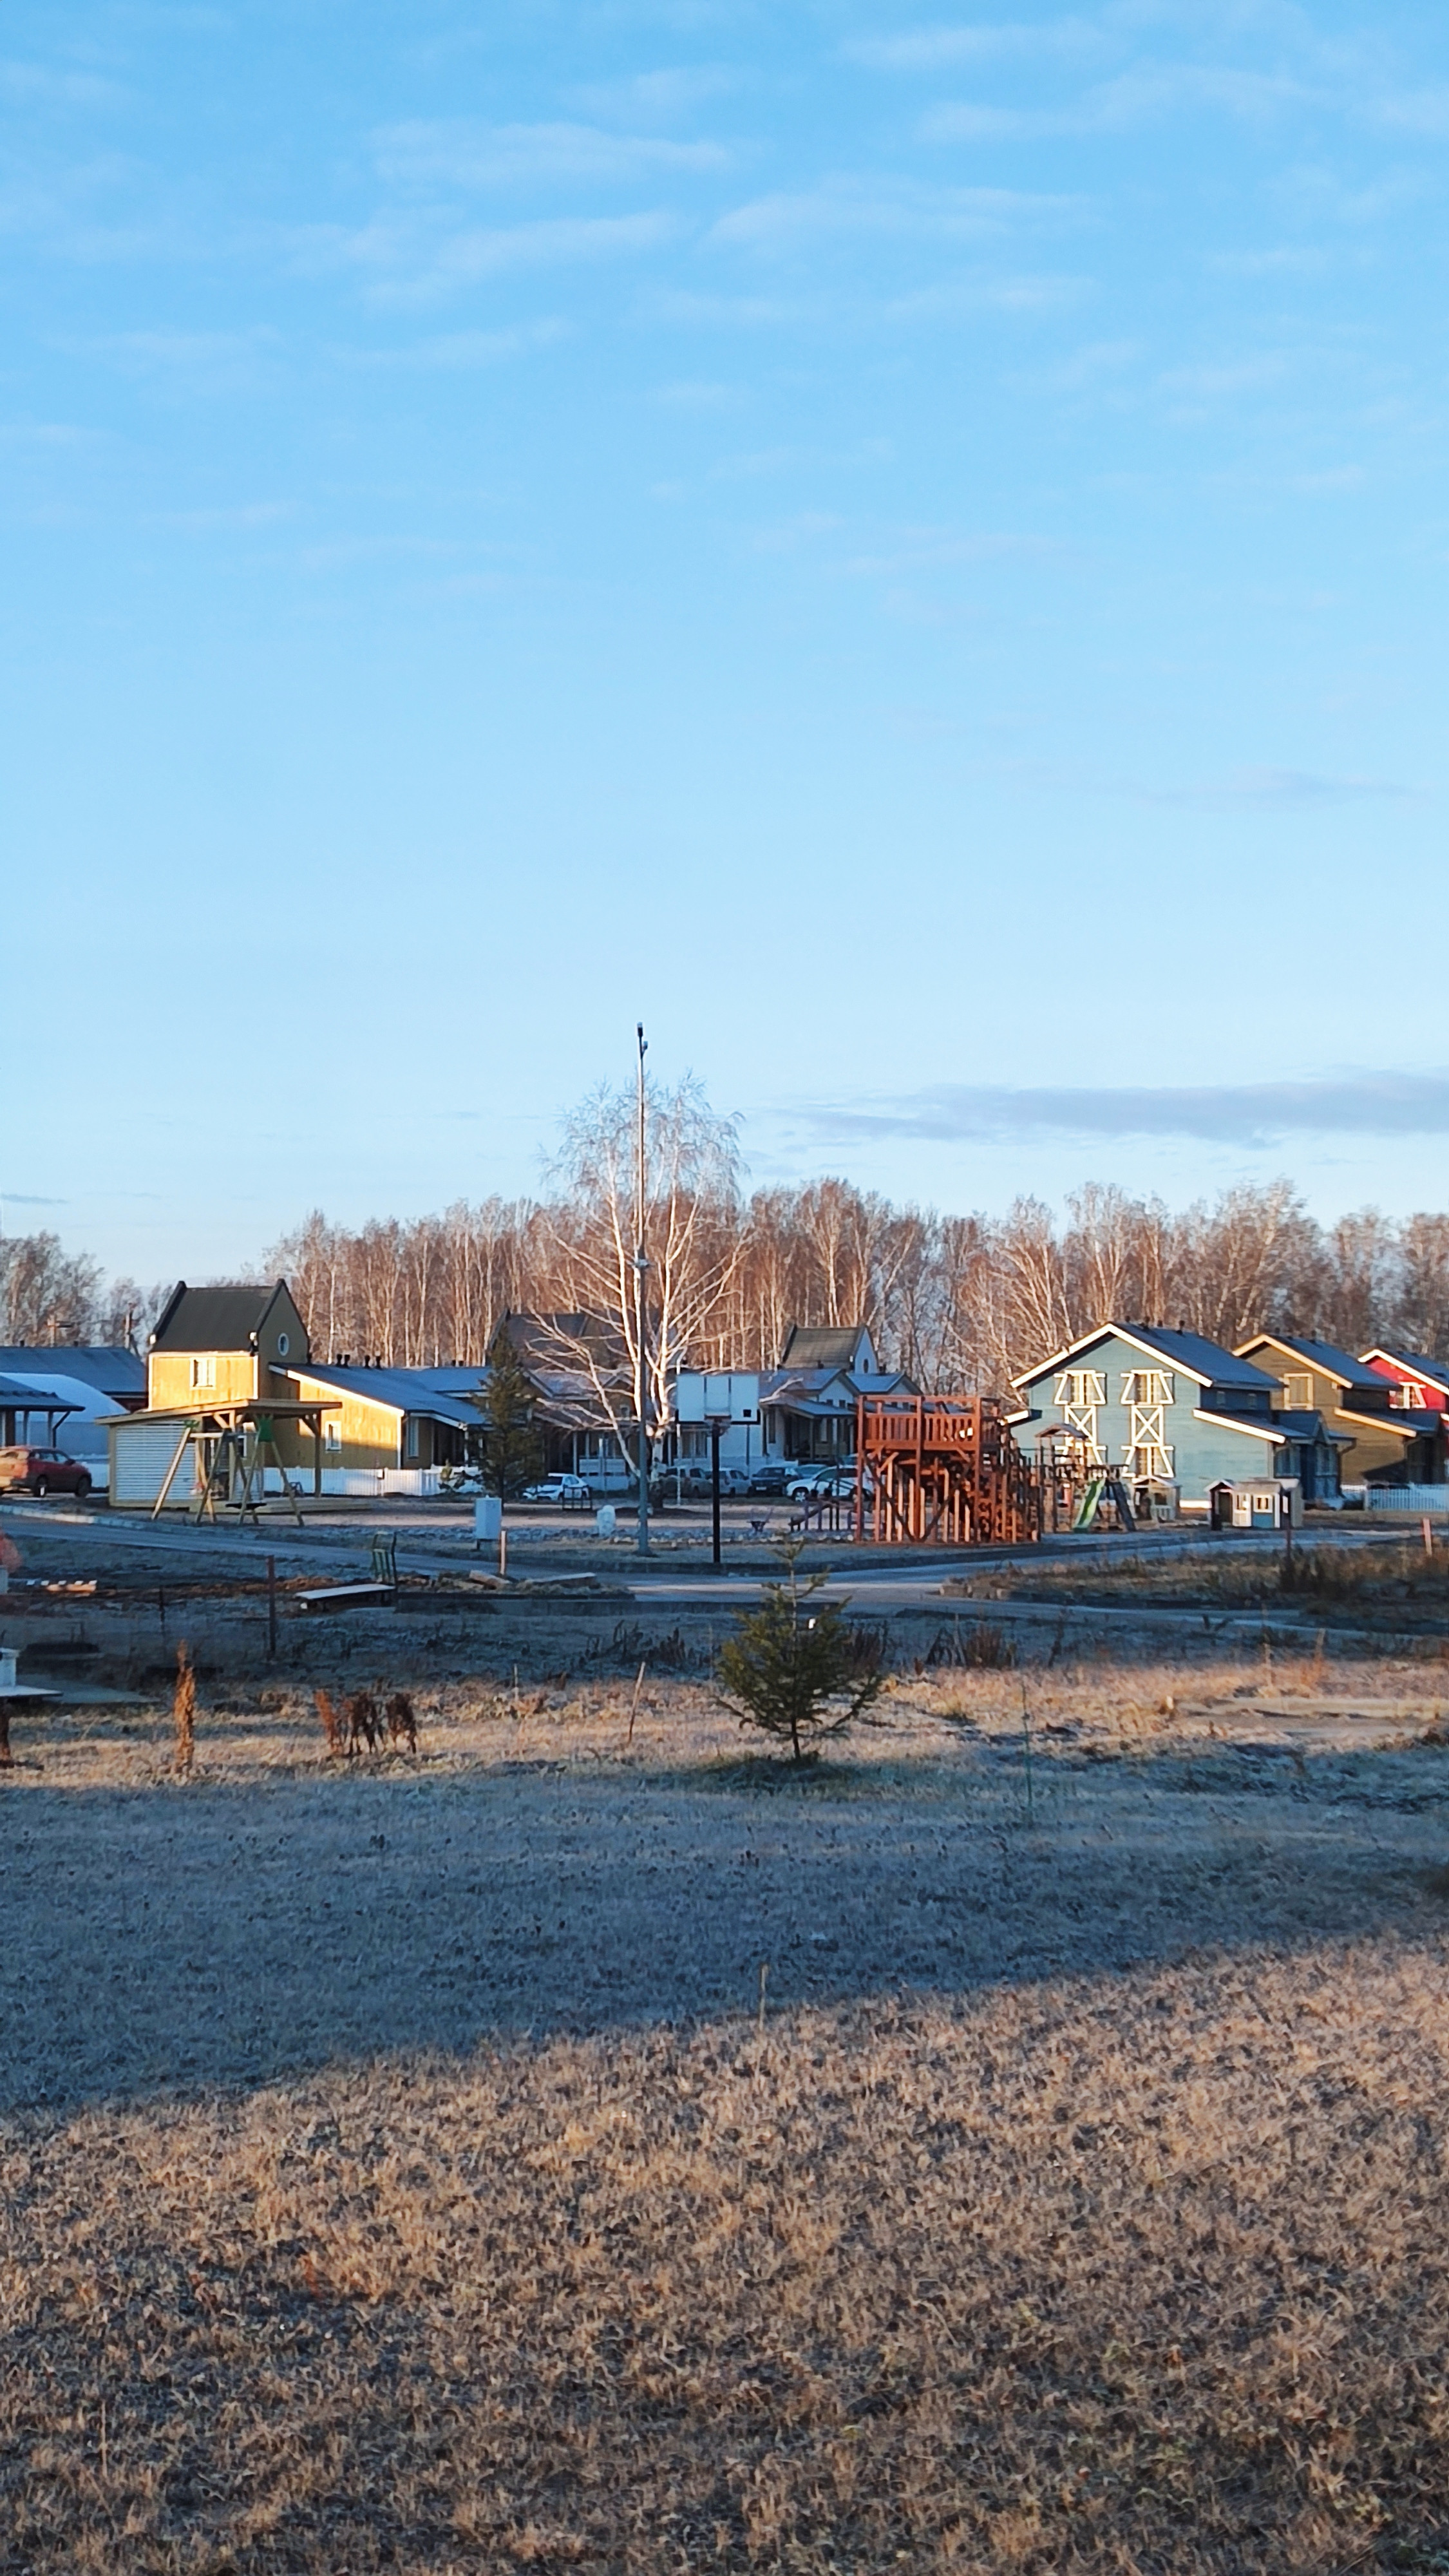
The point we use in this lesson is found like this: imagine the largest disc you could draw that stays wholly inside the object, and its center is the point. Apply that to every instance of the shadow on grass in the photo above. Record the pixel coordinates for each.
(170, 1941)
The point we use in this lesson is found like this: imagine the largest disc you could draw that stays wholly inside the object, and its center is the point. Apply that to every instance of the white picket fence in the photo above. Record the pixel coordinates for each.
(1418, 1500)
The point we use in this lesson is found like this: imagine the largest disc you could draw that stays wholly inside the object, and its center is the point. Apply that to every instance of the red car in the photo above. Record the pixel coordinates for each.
(42, 1471)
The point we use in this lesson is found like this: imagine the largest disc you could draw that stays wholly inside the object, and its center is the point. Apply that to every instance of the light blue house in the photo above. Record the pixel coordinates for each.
(1170, 1407)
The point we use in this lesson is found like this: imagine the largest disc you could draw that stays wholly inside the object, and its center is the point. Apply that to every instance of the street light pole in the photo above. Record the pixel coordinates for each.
(641, 1310)
(718, 1423)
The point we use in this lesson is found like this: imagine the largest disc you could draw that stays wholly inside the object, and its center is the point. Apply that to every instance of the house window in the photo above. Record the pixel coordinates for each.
(332, 1435)
(1082, 1386)
(1079, 1393)
(1146, 1386)
(1298, 1391)
(283, 1346)
(414, 1436)
(1147, 1395)
(203, 1371)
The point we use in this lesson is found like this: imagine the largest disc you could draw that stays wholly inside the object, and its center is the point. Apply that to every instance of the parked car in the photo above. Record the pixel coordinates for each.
(772, 1476)
(42, 1471)
(697, 1481)
(807, 1482)
(830, 1485)
(567, 1493)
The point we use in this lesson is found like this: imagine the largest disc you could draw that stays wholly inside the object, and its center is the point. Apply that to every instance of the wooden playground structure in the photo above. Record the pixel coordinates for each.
(943, 1469)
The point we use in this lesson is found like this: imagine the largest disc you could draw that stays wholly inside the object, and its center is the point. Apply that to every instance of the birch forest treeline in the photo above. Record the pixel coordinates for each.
(956, 1301)
(959, 1302)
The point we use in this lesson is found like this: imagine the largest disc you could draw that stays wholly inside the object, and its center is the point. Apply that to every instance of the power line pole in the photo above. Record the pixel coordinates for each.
(641, 1309)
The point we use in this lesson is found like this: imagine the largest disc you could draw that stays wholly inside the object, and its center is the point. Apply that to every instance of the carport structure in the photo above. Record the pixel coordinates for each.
(228, 1444)
(22, 1402)
(943, 1469)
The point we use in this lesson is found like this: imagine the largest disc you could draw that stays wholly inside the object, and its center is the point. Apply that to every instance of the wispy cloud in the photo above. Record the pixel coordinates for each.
(659, 97)
(41, 84)
(943, 549)
(1131, 99)
(453, 351)
(411, 262)
(1275, 787)
(459, 152)
(208, 362)
(1245, 1114)
(845, 206)
(935, 48)
(1415, 111)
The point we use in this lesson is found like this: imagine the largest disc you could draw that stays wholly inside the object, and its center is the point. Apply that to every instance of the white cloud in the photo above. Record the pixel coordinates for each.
(415, 262)
(837, 208)
(453, 351)
(459, 152)
(658, 97)
(1131, 99)
(1248, 1113)
(928, 49)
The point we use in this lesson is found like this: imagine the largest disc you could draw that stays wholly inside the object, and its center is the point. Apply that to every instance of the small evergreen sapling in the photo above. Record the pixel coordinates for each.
(793, 1670)
(512, 1449)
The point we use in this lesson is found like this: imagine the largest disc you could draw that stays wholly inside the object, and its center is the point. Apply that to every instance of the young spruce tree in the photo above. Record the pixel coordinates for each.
(512, 1449)
(795, 1671)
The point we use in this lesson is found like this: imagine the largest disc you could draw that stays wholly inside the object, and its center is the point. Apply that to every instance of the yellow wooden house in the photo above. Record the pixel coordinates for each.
(223, 1344)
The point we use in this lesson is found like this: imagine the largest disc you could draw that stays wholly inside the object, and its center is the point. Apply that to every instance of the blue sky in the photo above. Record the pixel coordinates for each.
(908, 549)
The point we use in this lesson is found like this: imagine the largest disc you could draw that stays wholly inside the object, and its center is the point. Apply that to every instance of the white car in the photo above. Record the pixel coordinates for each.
(567, 1492)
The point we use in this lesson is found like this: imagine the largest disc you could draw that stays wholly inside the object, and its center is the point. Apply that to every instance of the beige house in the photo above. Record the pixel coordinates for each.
(1354, 1402)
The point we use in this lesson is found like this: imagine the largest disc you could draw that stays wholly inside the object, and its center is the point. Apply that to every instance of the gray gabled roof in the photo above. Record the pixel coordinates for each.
(399, 1390)
(212, 1319)
(1332, 1361)
(22, 1395)
(113, 1372)
(1191, 1352)
(1311, 1426)
(822, 1346)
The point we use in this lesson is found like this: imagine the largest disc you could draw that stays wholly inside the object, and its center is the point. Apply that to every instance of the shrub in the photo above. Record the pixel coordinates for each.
(332, 1725)
(796, 1672)
(183, 1710)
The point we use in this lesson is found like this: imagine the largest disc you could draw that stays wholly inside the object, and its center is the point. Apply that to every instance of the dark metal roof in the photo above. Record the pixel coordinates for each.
(822, 1346)
(212, 1319)
(1311, 1426)
(1193, 1351)
(1334, 1362)
(116, 1373)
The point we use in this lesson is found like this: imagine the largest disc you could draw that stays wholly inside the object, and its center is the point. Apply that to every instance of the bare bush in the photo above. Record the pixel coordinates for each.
(183, 1711)
(333, 1727)
(402, 1724)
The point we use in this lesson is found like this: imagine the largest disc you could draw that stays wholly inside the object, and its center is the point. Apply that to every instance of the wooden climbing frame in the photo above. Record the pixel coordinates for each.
(942, 1469)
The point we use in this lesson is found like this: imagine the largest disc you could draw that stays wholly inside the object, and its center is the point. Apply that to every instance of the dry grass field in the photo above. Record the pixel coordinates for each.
(406, 2164)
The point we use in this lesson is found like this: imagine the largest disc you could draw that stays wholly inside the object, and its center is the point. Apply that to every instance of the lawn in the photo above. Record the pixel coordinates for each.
(1018, 2143)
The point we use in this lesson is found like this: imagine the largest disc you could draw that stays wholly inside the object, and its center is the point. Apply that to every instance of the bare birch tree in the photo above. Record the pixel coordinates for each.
(691, 1230)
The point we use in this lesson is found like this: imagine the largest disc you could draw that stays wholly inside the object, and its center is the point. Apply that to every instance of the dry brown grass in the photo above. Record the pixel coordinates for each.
(1081, 2205)
(1145, 2275)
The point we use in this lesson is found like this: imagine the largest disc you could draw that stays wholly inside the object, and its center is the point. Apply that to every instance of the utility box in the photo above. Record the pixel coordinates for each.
(487, 1520)
(1257, 1503)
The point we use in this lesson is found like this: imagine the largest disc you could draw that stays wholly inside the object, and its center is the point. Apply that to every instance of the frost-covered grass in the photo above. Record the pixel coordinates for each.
(398, 2170)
